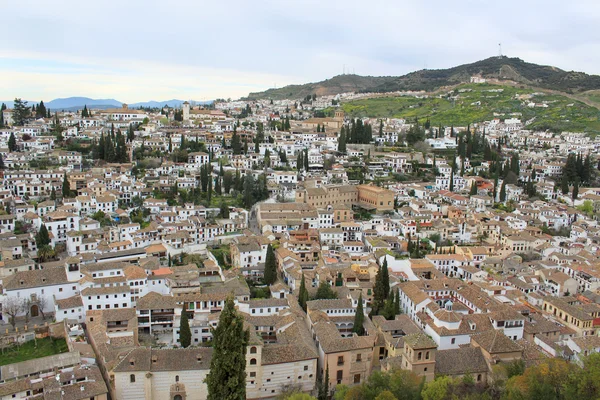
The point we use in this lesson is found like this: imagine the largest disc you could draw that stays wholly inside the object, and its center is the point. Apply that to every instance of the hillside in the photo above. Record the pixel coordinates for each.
(469, 103)
(505, 68)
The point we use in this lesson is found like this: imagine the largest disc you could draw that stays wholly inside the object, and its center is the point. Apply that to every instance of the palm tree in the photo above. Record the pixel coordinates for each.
(45, 253)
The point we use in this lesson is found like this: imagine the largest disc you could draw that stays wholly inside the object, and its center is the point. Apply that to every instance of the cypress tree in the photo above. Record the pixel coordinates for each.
(42, 238)
(385, 278)
(303, 294)
(306, 160)
(218, 186)
(227, 375)
(359, 318)
(270, 267)
(1, 162)
(53, 194)
(503, 192)
(236, 145)
(564, 184)
(248, 195)
(575, 193)
(397, 310)
(473, 191)
(300, 161)
(12, 142)
(323, 389)
(185, 333)
(66, 187)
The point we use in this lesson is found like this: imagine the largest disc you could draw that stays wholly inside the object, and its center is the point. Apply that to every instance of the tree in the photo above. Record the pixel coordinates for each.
(236, 144)
(385, 277)
(503, 192)
(185, 333)
(227, 182)
(575, 193)
(564, 184)
(473, 191)
(42, 238)
(84, 112)
(342, 142)
(227, 375)
(381, 289)
(20, 112)
(323, 387)
(437, 389)
(248, 195)
(359, 318)
(218, 186)
(224, 210)
(306, 160)
(45, 252)
(66, 187)
(42, 303)
(397, 310)
(57, 128)
(53, 194)
(12, 307)
(270, 267)
(12, 142)
(303, 294)
(324, 291)
(300, 161)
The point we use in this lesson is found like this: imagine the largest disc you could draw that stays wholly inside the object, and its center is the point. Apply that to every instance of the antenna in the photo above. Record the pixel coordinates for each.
(344, 70)
(499, 50)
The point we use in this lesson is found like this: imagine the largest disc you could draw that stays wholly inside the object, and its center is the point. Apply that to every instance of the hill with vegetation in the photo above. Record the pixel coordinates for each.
(502, 68)
(468, 103)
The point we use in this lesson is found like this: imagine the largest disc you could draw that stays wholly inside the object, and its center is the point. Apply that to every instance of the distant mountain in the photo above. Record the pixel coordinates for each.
(77, 103)
(171, 103)
(505, 68)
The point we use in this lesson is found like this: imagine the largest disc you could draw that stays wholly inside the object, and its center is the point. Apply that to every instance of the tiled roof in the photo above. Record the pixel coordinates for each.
(461, 361)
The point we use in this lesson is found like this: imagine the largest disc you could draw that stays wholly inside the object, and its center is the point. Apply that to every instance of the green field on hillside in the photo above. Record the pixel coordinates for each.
(471, 103)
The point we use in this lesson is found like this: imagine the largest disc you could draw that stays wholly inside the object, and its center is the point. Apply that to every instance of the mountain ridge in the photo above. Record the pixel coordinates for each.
(501, 68)
(77, 103)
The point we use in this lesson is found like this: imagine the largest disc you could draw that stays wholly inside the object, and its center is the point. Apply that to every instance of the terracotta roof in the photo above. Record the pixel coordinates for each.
(461, 361)
(494, 341)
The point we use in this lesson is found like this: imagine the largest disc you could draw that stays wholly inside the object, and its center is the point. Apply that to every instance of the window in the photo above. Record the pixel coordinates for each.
(176, 378)
(419, 356)
(425, 369)
(132, 378)
(358, 357)
(453, 341)
(478, 377)
(252, 374)
(357, 378)
(306, 367)
(253, 361)
(427, 355)
(340, 360)
(340, 376)
(253, 350)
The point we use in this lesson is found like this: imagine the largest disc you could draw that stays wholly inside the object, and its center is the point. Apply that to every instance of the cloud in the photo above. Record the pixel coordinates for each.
(135, 50)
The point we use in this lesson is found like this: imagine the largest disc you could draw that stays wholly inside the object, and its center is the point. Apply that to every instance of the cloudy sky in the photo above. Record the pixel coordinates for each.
(139, 50)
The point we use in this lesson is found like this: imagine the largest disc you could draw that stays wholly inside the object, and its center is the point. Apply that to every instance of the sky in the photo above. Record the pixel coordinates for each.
(141, 50)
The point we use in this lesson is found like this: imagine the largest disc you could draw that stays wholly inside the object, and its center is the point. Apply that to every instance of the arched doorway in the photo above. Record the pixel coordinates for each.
(177, 397)
(35, 310)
